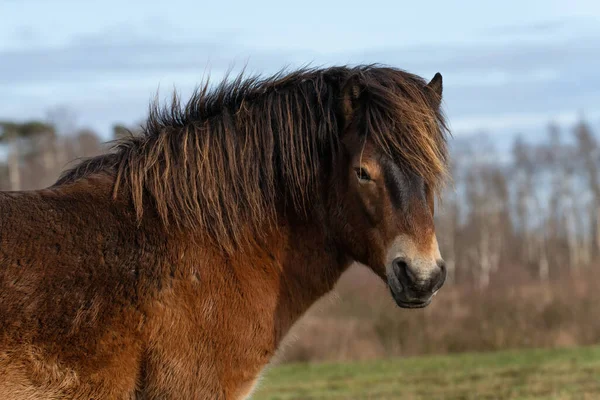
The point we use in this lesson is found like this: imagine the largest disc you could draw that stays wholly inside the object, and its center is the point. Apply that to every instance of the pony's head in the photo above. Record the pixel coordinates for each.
(393, 163)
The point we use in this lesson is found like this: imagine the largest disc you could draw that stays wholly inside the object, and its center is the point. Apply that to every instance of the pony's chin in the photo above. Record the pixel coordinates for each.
(410, 304)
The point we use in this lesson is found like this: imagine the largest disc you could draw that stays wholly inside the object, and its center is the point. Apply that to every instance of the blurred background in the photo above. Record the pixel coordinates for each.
(520, 225)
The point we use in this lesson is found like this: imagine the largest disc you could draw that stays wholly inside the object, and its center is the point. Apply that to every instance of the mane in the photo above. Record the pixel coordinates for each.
(225, 161)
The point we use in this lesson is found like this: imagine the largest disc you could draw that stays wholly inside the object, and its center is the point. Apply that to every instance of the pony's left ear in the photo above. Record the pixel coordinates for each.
(435, 87)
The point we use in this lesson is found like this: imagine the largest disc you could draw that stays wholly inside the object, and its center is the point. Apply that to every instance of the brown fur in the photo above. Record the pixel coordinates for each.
(174, 266)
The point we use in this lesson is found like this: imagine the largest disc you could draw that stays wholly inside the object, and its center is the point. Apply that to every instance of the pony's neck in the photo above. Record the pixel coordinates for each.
(310, 266)
(279, 281)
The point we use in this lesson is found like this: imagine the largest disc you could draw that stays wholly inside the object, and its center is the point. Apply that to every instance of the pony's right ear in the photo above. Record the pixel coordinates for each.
(435, 88)
(350, 94)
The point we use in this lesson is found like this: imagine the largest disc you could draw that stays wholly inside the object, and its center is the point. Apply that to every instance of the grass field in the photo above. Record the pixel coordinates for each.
(525, 374)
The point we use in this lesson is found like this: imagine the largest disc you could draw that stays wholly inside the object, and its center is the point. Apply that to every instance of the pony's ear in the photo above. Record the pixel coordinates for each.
(435, 88)
(350, 94)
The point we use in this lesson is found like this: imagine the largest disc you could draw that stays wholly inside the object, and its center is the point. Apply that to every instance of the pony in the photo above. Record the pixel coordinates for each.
(173, 265)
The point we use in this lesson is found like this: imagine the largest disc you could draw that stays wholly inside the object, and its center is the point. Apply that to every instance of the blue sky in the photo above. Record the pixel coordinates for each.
(508, 66)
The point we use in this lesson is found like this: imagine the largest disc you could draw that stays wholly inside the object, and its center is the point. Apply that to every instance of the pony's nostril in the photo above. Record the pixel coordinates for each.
(442, 265)
(399, 263)
(441, 276)
(403, 270)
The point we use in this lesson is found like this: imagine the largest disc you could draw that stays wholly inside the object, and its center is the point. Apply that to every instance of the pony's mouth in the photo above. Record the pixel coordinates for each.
(399, 293)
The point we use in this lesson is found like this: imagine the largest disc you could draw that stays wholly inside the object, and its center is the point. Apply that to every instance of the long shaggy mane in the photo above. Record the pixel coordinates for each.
(224, 162)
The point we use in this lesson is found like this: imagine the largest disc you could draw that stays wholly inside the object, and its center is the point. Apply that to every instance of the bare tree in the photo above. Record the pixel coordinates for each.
(589, 155)
(10, 134)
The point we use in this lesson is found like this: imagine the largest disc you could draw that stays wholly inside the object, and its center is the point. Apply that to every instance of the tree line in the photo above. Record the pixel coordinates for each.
(531, 214)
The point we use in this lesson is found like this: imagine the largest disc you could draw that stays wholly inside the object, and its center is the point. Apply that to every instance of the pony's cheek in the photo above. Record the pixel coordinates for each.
(371, 209)
(378, 267)
(374, 251)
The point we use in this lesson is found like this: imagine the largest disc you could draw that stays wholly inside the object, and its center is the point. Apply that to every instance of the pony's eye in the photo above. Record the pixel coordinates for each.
(362, 175)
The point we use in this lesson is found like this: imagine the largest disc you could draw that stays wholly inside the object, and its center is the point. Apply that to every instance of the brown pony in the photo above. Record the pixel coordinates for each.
(173, 266)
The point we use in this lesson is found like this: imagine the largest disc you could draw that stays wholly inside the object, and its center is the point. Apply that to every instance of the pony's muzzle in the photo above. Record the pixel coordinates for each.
(410, 287)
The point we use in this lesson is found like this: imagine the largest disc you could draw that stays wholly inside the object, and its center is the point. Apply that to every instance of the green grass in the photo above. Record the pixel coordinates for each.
(525, 374)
